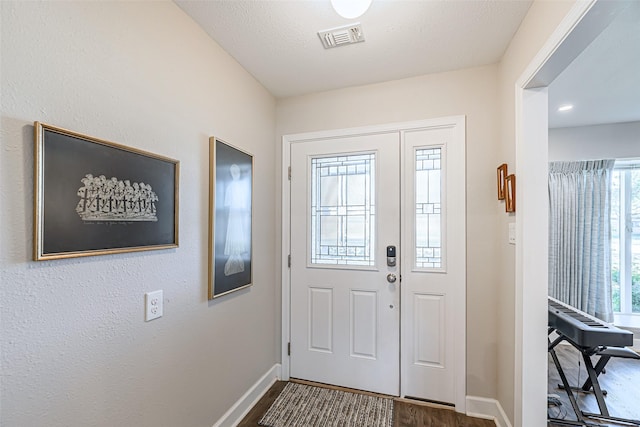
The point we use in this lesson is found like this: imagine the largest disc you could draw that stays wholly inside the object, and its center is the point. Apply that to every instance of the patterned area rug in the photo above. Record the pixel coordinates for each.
(302, 405)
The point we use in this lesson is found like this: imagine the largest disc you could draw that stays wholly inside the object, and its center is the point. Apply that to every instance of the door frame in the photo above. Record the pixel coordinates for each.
(582, 24)
(460, 314)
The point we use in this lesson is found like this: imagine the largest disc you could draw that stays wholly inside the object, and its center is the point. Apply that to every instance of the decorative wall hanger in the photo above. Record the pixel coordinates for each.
(506, 188)
(95, 197)
(502, 175)
(510, 193)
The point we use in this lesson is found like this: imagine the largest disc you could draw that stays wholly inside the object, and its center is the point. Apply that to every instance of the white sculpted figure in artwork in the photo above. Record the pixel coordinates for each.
(237, 203)
(115, 200)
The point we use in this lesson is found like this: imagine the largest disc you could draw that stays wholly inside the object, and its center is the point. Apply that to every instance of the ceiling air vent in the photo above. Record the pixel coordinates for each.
(339, 36)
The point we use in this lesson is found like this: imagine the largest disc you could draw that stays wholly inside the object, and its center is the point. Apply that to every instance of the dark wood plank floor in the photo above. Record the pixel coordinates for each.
(254, 415)
(622, 382)
(405, 414)
(416, 415)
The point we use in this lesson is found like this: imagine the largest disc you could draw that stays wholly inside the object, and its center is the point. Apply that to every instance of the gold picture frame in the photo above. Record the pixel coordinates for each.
(501, 174)
(96, 197)
(230, 218)
(510, 193)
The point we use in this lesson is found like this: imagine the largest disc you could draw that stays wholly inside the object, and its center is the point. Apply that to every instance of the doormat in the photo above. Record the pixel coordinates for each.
(303, 405)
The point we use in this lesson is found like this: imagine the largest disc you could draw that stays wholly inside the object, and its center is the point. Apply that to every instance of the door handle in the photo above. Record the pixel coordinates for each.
(391, 278)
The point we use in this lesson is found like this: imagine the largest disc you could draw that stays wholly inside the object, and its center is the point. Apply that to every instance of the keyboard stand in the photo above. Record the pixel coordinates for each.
(567, 388)
(592, 382)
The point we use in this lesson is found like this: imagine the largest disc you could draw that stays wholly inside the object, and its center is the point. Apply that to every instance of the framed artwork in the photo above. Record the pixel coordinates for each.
(510, 193)
(95, 197)
(230, 218)
(502, 175)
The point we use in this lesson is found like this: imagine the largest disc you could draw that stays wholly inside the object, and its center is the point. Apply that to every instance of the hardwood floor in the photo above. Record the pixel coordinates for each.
(621, 380)
(418, 415)
(405, 414)
(254, 415)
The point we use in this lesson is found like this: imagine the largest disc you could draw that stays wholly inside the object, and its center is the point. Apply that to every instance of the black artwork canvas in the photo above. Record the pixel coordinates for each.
(95, 197)
(230, 219)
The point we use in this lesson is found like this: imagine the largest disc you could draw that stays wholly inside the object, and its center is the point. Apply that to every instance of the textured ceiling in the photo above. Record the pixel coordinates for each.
(277, 41)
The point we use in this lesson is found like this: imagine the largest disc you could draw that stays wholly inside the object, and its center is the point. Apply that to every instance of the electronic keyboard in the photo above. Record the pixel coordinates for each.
(585, 330)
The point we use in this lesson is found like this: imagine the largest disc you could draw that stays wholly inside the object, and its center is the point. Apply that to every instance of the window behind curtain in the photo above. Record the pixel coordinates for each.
(625, 236)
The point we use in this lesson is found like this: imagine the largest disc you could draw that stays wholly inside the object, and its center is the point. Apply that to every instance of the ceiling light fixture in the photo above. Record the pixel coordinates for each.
(351, 9)
(566, 107)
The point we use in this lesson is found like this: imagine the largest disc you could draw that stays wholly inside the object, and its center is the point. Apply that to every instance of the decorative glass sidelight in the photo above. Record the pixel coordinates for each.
(343, 210)
(428, 220)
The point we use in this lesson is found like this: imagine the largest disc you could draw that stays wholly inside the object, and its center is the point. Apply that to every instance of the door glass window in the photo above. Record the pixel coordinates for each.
(343, 210)
(428, 219)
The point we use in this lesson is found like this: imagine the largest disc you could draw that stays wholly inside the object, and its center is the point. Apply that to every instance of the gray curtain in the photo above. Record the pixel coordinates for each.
(580, 235)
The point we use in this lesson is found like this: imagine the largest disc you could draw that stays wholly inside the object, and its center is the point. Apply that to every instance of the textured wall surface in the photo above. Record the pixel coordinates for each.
(75, 348)
(611, 141)
(541, 20)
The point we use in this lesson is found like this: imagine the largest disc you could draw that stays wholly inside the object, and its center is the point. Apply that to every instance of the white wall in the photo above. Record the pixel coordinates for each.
(75, 348)
(541, 20)
(489, 104)
(609, 141)
(473, 93)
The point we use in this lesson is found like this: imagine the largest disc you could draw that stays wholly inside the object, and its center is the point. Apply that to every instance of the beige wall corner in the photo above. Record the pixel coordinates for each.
(75, 347)
(541, 20)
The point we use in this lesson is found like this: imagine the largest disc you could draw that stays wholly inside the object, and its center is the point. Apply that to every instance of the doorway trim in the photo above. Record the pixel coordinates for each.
(460, 313)
(531, 266)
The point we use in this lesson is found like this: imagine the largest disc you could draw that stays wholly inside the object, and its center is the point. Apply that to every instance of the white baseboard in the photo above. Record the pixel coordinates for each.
(238, 411)
(488, 409)
(479, 407)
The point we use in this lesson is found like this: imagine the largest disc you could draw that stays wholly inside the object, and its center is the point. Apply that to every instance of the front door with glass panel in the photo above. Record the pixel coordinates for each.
(364, 209)
(344, 212)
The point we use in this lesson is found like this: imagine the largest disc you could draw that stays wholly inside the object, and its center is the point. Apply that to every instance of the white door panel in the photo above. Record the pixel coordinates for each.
(344, 212)
(433, 266)
(351, 196)
(363, 321)
(320, 319)
(428, 340)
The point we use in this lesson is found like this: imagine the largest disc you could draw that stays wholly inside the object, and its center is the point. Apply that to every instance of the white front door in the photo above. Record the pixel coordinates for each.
(344, 212)
(354, 321)
(434, 264)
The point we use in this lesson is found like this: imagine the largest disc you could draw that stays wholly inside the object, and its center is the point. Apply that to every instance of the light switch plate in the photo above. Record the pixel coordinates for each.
(512, 233)
(153, 305)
